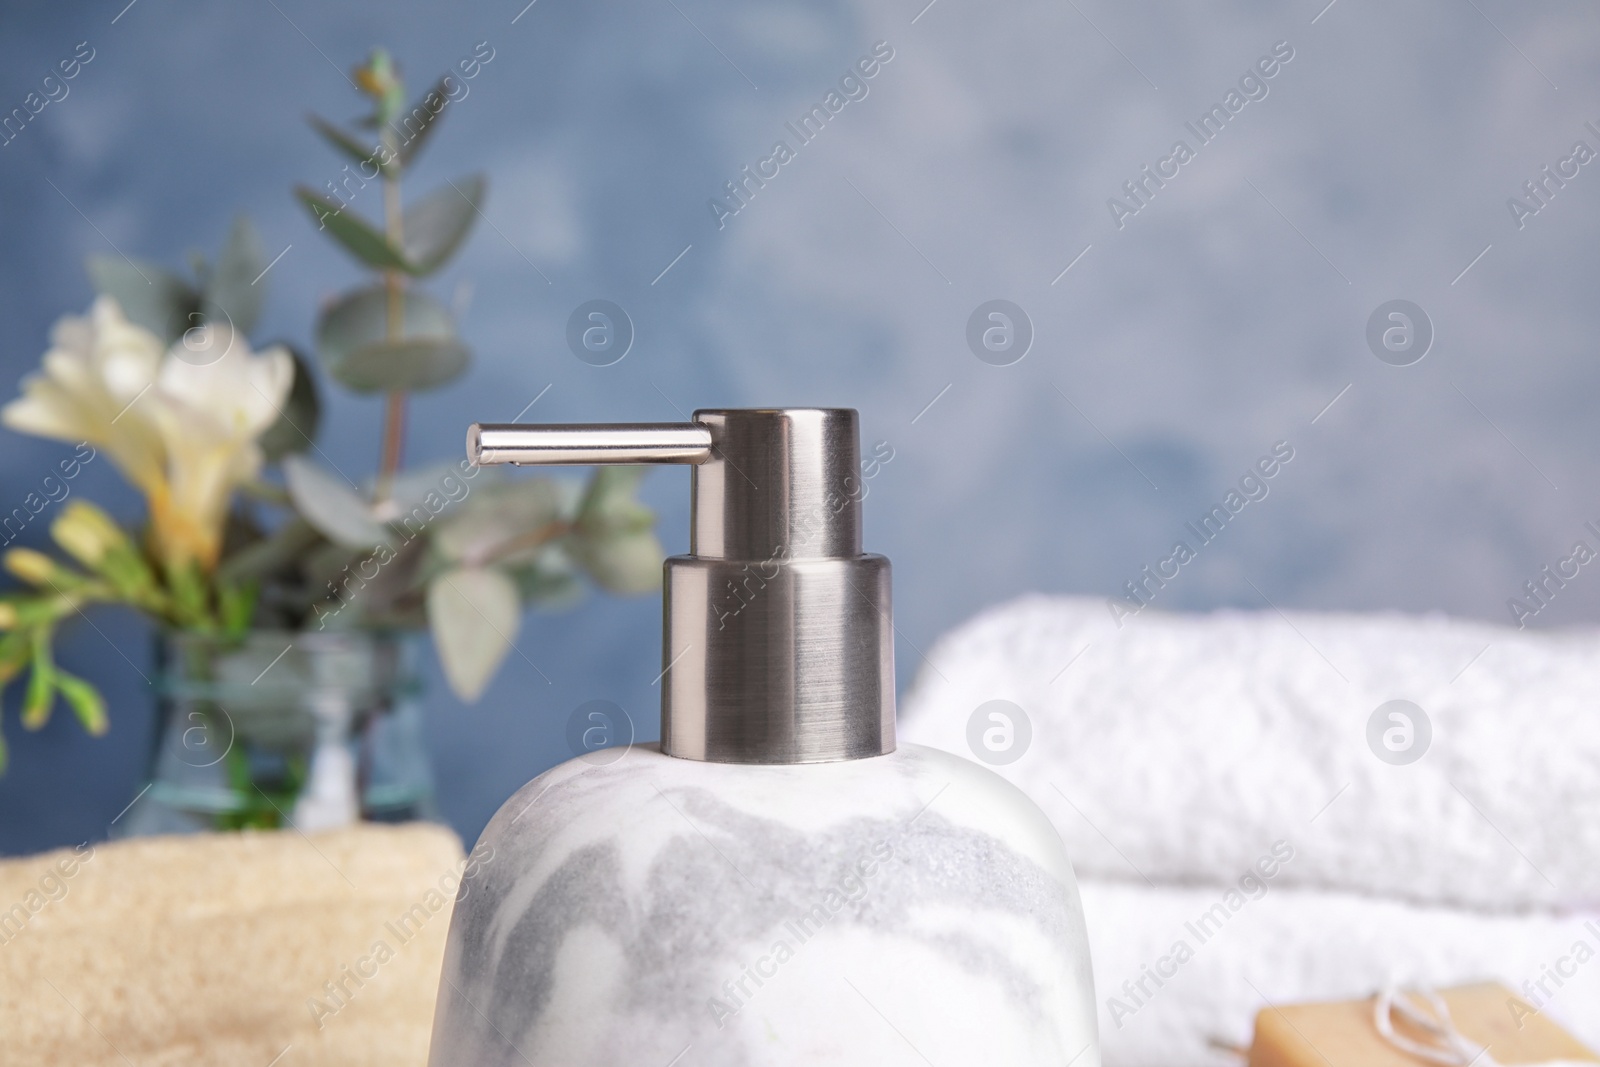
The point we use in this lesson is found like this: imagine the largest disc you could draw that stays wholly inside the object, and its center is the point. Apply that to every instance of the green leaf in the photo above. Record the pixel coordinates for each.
(129, 573)
(352, 339)
(420, 499)
(328, 571)
(502, 523)
(286, 545)
(628, 562)
(360, 154)
(398, 587)
(551, 587)
(15, 651)
(85, 700)
(188, 588)
(232, 294)
(609, 505)
(296, 426)
(413, 486)
(436, 225)
(613, 538)
(156, 299)
(407, 366)
(337, 511)
(236, 604)
(474, 613)
(420, 121)
(359, 237)
(42, 611)
(41, 691)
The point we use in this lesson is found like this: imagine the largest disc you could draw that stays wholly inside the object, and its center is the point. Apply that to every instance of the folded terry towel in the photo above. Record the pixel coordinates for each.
(250, 948)
(1289, 945)
(1170, 748)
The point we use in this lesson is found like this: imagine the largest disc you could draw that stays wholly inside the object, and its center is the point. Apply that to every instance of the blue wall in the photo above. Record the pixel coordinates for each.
(1222, 317)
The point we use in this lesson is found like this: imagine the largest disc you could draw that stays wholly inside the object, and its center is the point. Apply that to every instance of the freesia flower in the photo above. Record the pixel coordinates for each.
(213, 398)
(95, 369)
(181, 425)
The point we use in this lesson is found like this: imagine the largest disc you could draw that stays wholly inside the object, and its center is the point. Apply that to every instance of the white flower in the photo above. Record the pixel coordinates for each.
(213, 398)
(182, 426)
(95, 369)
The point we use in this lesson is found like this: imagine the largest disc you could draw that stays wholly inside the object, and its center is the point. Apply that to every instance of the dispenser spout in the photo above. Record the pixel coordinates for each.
(639, 442)
(778, 640)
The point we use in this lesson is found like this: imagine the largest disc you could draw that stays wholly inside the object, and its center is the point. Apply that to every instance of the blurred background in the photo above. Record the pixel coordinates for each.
(1172, 346)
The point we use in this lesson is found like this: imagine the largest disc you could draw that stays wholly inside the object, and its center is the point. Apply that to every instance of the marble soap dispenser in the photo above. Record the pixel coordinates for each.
(776, 882)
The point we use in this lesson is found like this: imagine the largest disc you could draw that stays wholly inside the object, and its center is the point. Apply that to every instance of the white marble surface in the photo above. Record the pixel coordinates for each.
(913, 908)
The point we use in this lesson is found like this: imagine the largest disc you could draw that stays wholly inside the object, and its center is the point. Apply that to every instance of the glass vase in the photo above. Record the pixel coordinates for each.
(310, 730)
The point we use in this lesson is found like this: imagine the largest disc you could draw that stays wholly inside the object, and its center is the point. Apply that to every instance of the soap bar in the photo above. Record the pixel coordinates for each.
(1343, 1034)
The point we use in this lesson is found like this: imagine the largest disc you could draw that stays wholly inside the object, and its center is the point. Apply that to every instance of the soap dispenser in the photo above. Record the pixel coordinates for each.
(777, 882)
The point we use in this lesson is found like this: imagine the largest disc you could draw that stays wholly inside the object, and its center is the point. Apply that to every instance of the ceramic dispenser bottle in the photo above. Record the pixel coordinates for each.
(776, 882)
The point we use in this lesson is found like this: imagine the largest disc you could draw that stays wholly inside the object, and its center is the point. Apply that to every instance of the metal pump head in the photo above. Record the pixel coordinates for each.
(777, 640)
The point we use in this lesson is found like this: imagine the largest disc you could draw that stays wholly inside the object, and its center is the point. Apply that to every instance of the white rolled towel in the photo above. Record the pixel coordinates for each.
(1167, 748)
(1288, 946)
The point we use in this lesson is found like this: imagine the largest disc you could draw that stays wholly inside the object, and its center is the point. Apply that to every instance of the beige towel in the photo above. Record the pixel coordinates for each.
(256, 948)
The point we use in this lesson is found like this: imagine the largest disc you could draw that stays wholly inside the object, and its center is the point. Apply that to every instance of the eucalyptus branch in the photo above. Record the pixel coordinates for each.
(394, 413)
(532, 539)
